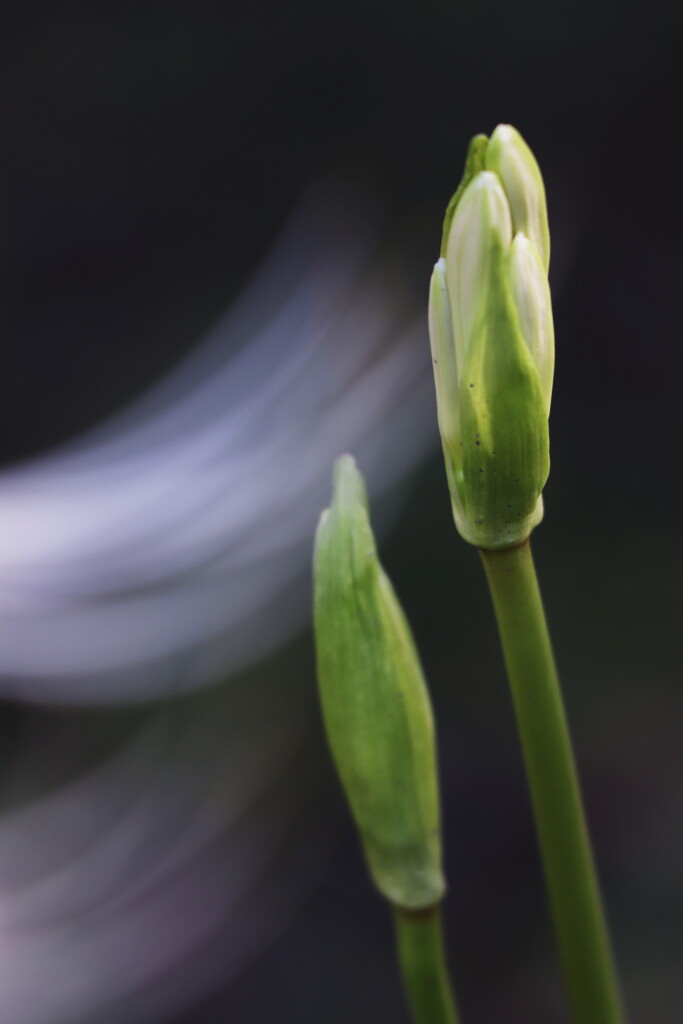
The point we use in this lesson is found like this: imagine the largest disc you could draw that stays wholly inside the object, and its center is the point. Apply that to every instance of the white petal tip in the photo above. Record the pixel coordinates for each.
(486, 180)
(520, 241)
(505, 132)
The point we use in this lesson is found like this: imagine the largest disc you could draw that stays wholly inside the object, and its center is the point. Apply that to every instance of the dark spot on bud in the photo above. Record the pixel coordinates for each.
(471, 385)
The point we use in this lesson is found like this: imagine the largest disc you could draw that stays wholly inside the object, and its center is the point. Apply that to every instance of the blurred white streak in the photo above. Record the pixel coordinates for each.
(163, 552)
(114, 889)
(172, 546)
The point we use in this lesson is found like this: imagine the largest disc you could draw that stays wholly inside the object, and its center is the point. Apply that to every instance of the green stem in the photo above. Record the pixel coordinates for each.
(565, 848)
(423, 965)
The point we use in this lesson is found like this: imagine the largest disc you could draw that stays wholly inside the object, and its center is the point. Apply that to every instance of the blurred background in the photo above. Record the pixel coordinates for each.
(217, 226)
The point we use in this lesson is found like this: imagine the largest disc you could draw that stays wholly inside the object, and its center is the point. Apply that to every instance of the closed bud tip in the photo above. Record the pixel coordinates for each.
(513, 163)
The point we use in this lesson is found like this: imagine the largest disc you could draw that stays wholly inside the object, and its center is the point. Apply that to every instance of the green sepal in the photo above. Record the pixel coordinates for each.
(375, 702)
(503, 419)
(474, 162)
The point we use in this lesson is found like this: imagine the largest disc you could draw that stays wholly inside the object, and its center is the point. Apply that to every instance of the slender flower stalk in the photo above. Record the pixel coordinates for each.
(570, 874)
(379, 726)
(492, 340)
(423, 966)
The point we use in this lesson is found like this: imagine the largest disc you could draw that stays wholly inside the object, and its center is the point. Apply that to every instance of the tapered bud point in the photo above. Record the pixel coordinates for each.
(509, 157)
(375, 702)
(474, 163)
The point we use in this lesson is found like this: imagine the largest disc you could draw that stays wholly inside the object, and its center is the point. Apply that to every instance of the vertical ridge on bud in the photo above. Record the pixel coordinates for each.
(443, 355)
(375, 703)
(531, 292)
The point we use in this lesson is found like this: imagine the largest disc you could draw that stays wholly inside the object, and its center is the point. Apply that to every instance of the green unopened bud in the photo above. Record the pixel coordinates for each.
(492, 342)
(375, 703)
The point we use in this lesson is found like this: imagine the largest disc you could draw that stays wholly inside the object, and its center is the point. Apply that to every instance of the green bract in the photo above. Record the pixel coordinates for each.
(492, 339)
(375, 703)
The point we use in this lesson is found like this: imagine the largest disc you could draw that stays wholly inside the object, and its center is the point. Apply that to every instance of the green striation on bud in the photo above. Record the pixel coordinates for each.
(375, 703)
(492, 341)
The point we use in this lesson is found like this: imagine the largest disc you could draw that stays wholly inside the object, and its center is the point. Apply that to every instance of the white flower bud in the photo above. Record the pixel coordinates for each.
(482, 211)
(509, 157)
(491, 332)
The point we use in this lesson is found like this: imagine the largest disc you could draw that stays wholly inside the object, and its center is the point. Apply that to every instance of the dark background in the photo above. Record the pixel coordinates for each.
(150, 152)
